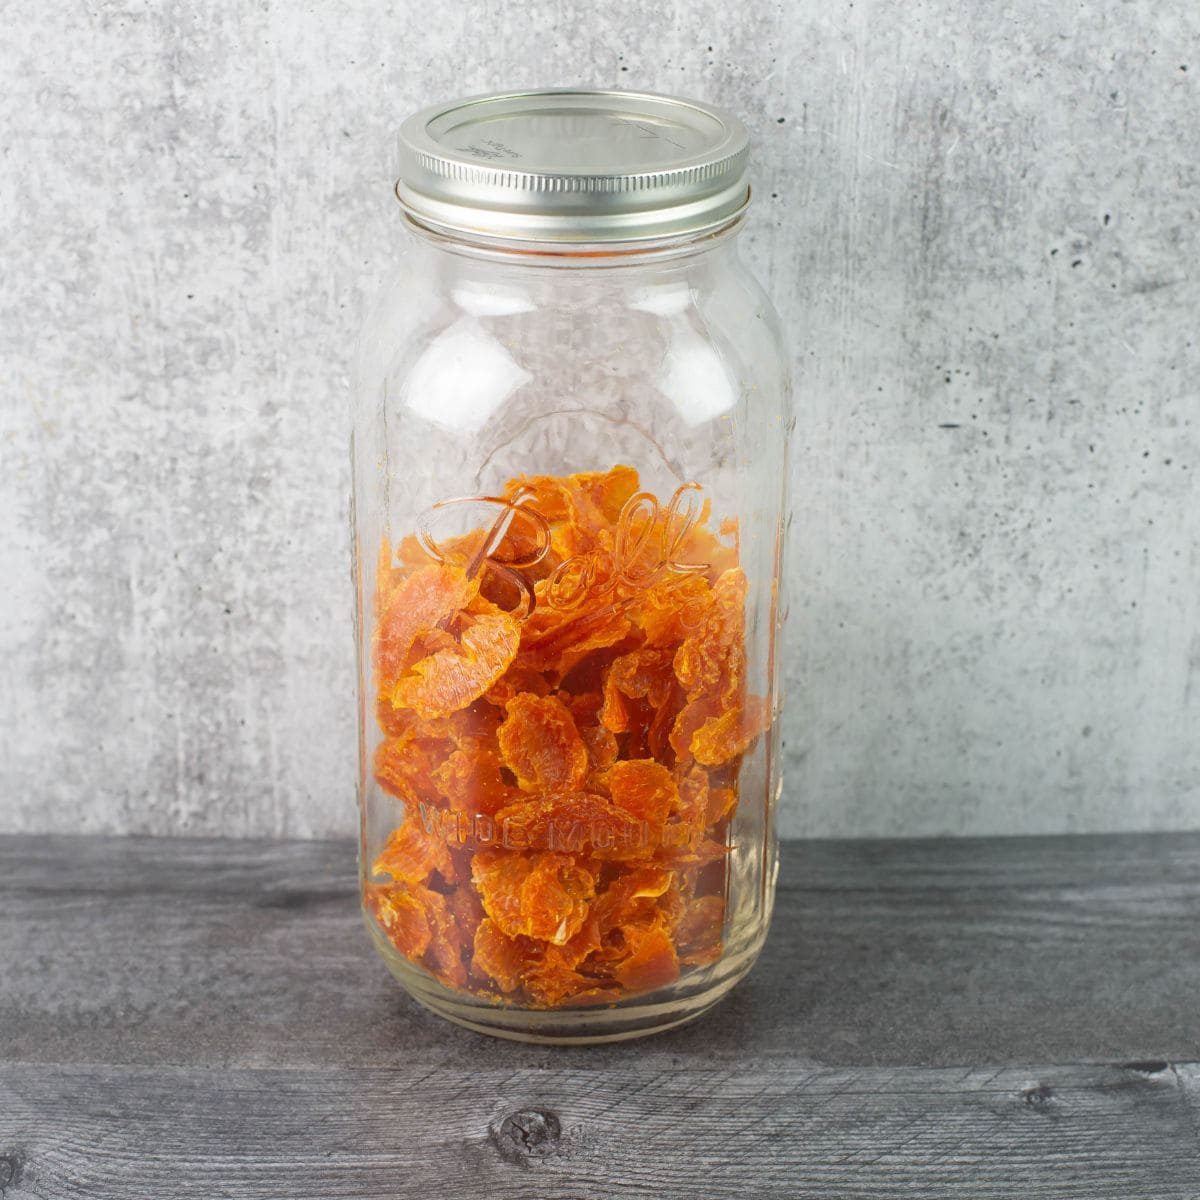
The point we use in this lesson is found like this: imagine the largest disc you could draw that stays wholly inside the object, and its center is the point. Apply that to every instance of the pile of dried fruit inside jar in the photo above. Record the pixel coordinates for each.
(563, 698)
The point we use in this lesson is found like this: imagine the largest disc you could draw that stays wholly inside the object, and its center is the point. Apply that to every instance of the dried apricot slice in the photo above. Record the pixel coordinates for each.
(452, 678)
(563, 642)
(644, 789)
(542, 896)
(427, 597)
(497, 957)
(711, 656)
(401, 916)
(411, 855)
(651, 961)
(471, 778)
(728, 736)
(623, 901)
(541, 746)
(639, 675)
(403, 768)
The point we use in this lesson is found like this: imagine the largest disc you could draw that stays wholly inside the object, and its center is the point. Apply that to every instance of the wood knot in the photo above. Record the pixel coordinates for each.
(529, 1135)
(1038, 1097)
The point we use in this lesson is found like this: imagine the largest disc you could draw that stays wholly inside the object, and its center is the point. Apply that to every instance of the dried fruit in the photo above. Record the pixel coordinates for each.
(452, 677)
(541, 745)
(644, 789)
(539, 896)
(563, 699)
(412, 854)
(415, 606)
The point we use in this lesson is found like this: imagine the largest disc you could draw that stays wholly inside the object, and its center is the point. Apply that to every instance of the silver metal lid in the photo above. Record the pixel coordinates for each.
(568, 165)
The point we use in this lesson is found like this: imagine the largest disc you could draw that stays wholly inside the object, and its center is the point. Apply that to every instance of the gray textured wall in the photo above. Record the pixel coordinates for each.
(980, 221)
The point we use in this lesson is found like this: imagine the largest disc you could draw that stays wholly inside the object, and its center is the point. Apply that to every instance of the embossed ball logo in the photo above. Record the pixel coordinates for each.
(647, 546)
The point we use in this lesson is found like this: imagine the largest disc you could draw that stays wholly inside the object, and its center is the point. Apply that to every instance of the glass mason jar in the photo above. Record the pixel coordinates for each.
(570, 474)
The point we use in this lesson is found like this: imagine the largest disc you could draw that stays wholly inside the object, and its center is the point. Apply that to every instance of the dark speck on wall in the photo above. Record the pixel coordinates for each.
(780, 120)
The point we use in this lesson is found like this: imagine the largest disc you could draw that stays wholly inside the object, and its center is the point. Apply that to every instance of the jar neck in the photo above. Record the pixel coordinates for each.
(579, 256)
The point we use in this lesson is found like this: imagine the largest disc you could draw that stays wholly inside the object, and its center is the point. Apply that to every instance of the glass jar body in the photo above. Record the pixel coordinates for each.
(570, 478)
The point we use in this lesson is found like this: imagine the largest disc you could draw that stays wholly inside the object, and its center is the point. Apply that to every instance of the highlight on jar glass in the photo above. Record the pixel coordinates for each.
(570, 479)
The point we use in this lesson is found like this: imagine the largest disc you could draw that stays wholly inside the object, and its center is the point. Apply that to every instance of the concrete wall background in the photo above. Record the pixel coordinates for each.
(980, 220)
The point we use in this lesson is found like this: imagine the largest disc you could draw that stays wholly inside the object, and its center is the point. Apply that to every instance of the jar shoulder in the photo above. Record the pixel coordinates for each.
(452, 335)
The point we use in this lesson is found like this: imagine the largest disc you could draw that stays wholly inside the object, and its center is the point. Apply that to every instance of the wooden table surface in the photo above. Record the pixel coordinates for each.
(995, 1018)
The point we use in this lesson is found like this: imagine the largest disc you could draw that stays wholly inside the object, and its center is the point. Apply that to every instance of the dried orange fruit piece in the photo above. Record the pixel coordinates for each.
(552, 986)
(555, 895)
(601, 746)
(403, 768)
(691, 717)
(721, 803)
(514, 681)
(422, 925)
(623, 901)
(605, 492)
(703, 660)
(639, 675)
(725, 737)
(542, 896)
(643, 788)
(411, 855)
(672, 608)
(497, 957)
(541, 746)
(419, 604)
(452, 678)
(559, 643)
(651, 962)
(444, 957)
(402, 917)
(471, 778)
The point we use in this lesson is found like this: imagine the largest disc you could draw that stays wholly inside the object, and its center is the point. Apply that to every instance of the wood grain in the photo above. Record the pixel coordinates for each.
(206, 1018)
(758, 1129)
(250, 953)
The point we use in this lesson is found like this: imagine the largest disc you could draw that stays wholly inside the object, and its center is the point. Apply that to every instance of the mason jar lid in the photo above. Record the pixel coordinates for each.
(567, 165)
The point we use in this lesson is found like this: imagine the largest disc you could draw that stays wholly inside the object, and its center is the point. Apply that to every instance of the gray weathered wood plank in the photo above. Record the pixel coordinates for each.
(187, 1018)
(760, 1130)
(233, 953)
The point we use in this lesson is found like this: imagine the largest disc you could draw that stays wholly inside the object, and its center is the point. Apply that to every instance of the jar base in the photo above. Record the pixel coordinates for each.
(565, 1027)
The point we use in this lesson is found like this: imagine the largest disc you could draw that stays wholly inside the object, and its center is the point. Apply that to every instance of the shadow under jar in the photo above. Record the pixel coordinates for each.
(570, 472)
